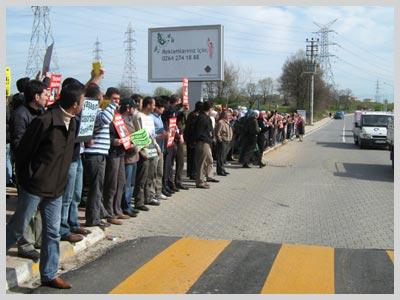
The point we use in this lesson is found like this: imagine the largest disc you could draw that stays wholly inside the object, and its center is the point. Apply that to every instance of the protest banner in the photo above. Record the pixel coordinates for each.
(54, 88)
(8, 81)
(122, 131)
(140, 138)
(171, 131)
(88, 117)
(47, 59)
(185, 92)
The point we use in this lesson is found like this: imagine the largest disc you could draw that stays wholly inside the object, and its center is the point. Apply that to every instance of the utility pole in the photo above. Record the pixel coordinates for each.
(97, 50)
(324, 58)
(311, 52)
(377, 92)
(41, 38)
(129, 75)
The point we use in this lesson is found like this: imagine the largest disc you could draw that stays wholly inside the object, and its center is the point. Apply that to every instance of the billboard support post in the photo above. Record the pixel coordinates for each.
(195, 93)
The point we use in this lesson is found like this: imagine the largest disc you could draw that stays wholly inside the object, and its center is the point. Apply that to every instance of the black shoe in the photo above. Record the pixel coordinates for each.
(212, 180)
(221, 174)
(31, 254)
(165, 192)
(172, 187)
(226, 173)
(169, 190)
(246, 166)
(262, 165)
(103, 225)
(135, 211)
(143, 207)
(130, 213)
(181, 186)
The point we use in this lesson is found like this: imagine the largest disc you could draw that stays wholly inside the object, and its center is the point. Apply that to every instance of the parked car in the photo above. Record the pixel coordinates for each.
(339, 115)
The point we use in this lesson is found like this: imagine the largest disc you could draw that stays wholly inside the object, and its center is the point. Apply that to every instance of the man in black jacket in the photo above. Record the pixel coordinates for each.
(43, 160)
(188, 136)
(35, 98)
(203, 132)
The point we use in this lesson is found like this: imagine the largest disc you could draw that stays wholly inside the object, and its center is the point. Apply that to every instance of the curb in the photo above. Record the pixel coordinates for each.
(20, 270)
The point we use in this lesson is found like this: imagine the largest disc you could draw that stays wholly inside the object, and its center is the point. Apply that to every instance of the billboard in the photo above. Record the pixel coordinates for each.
(193, 52)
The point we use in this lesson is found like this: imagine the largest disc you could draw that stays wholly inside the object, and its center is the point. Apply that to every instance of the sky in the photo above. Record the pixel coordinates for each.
(258, 39)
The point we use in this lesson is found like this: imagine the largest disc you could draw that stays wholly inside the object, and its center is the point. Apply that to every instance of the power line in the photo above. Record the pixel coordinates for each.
(379, 66)
(361, 48)
(359, 68)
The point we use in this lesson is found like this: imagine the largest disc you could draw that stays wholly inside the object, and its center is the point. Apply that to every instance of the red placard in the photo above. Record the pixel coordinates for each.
(122, 131)
(185, 91)
(54, 88)
(171, 131)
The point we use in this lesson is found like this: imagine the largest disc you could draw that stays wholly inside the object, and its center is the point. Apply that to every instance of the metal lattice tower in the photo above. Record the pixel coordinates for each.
(324, 58)
(129, 75)
(97, 50)
(41, 38)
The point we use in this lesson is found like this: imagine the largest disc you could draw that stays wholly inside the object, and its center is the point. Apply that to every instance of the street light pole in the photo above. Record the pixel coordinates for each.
(388, 84)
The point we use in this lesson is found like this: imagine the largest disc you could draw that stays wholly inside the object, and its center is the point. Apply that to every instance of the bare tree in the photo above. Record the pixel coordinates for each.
(225, 89)
(265, 88)
(251, 90)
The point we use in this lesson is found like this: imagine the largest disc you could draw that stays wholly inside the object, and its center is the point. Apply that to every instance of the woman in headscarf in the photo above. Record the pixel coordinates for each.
(251, 131)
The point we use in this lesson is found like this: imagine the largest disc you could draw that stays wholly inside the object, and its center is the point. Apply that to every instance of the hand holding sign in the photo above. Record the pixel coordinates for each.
(140, 138)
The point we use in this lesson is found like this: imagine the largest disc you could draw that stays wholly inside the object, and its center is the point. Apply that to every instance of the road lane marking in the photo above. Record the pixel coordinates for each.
(301, 269)
(391, 255)
(174, 270)
(344, 131)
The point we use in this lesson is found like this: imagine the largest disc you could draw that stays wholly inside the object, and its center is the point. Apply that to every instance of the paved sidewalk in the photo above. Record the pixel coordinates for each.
(164, 220)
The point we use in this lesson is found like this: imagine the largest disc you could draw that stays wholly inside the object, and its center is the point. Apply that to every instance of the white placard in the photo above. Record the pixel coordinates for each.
(194, 52)
(88, 118)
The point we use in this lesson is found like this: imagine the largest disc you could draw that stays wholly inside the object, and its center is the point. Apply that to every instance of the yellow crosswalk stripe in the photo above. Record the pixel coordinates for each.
(175, 269)
(301, 270)
(391, 255)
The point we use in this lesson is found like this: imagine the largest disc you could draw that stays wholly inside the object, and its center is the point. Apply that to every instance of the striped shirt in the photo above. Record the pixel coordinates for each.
(101, 132)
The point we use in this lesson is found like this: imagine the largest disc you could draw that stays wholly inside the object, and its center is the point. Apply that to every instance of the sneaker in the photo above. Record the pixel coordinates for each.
(165, 193)
(162, 197)
(154, 202)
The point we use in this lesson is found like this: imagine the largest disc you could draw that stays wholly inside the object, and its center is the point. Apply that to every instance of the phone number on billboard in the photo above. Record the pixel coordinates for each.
(180, 57)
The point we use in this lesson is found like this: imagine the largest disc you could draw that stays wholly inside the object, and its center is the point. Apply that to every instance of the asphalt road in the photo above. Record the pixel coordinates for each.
(324, 191)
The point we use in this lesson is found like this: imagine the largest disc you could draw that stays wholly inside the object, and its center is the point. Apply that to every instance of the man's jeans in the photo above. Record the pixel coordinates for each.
(50, 209)
(9, 170)
(130, 175)
(71, 199)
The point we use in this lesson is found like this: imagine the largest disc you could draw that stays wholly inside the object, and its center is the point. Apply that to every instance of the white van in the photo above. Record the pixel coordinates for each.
(370, 127)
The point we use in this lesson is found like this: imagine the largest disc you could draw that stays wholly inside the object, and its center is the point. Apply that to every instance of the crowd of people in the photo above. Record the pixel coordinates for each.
(55, 172)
